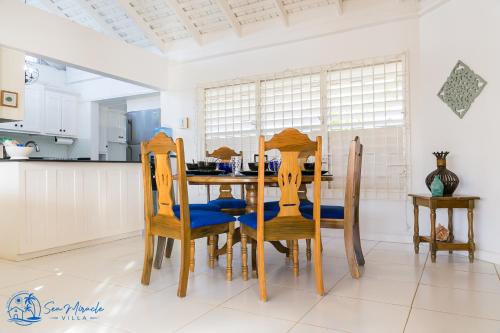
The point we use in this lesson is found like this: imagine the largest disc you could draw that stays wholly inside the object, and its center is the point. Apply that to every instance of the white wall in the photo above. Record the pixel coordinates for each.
(469, 31)
(29, 29)
(141, 103)
(386, 221)
(11, 79)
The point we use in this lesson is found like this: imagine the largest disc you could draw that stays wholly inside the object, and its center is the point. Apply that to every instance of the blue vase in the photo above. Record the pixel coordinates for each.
(437, 187)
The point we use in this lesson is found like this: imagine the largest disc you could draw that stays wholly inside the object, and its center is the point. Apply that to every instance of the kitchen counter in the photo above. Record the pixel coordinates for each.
(56, 206)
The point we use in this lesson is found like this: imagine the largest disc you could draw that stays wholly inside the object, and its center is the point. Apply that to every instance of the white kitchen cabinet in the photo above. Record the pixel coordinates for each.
(117, 129)
(33, 110)
(61, 112)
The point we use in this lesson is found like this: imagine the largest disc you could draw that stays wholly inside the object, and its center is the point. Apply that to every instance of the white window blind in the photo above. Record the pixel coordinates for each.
(230, 118)
(369, 101)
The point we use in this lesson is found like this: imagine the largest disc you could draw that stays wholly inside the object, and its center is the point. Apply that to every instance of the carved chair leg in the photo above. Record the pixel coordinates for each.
(192, 255)
(160, 250)
(261, 271)
(184, 271)
(295, 254)
(149, 243)
(170, 245)
(244, 256)
(229, 254)
(318, 266)
(308, 249)
(211, 254)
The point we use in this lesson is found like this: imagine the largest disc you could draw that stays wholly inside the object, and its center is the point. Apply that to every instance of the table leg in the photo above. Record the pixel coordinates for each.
(416, 236)
(451, 237)
(433, 235)
(251, 197)
(470, 219)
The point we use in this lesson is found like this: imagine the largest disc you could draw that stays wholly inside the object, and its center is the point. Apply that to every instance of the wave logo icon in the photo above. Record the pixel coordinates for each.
(24, 308)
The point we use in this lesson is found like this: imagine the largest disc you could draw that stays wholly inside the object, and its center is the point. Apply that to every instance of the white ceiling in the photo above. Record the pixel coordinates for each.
(160, 25)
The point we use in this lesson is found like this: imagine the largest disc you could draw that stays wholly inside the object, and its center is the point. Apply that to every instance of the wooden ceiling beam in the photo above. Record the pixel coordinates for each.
(340, 7)
(185, 20)
(230, 16)
(281, 11)
(142, 25)
(98, 18)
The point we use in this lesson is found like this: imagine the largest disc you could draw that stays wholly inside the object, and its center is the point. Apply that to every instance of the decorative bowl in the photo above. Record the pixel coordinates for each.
(309, 166)
(192, 166)
(207, 165)
(18, 153)
(254, 166)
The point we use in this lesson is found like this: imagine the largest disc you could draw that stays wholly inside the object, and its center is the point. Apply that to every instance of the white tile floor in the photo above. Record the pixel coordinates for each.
(399, 292)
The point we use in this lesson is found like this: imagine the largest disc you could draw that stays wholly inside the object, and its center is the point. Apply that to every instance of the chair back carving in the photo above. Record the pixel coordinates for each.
(224, 154)
(293, 146)
(353, 180)
(161, 146)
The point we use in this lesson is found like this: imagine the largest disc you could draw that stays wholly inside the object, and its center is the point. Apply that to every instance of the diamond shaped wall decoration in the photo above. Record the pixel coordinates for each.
(461, 89)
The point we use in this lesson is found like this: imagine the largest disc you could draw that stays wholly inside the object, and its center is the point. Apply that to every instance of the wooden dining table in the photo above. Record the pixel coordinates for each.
(250, 183)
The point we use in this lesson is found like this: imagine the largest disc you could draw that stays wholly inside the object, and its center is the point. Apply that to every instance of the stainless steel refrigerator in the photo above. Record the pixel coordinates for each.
(141, 126)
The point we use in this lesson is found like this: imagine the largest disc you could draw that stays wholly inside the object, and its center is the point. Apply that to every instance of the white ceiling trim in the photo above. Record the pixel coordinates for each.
(142, 25)
(186, 21)
(226, 9)
(281, 11)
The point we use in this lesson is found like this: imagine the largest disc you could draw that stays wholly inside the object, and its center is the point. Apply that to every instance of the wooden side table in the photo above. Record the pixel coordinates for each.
(433, 203)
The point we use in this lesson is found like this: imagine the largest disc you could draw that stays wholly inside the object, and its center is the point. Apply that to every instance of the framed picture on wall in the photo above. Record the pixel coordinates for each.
(8, 98)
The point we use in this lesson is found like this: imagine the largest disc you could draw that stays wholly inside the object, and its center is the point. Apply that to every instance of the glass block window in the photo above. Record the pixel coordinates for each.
(290, 102)
(369, 96)
(230, 118)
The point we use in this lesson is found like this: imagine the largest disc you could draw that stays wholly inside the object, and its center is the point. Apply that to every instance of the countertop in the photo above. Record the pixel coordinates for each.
(36, 160)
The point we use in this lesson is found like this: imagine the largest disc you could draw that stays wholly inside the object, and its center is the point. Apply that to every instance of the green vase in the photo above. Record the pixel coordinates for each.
(437, 187)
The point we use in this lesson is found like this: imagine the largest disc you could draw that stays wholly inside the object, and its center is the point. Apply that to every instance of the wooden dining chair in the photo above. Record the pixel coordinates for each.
(287, 223)
(347, 217)
(182, 224)
(226, 201)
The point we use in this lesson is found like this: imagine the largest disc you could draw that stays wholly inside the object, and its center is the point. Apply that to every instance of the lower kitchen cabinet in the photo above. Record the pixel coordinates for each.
(48, 207)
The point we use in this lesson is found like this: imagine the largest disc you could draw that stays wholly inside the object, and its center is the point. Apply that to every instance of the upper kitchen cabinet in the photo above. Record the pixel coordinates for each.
(61, 113)
(12, 80)
(33, 110)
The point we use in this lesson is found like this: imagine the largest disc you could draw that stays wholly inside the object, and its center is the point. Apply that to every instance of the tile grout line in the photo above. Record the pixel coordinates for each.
(416, 291)
(323, 297)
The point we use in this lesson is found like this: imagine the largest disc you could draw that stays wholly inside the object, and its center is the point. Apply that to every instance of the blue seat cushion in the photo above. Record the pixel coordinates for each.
(203, 218)
(209, 207)
(229, 203)
(275, 205)
(327, 212)
(251, 218)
